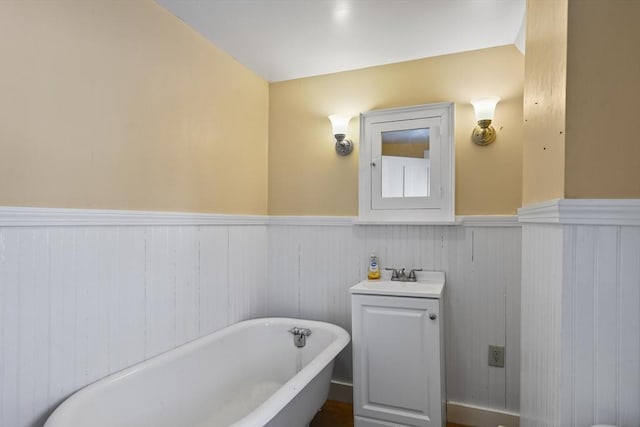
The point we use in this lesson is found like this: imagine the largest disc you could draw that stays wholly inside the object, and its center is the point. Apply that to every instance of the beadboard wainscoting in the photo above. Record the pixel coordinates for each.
(541, 321)
(78, 302)
(581, 313)
(86, 293)
(312, 264)
(601, 330)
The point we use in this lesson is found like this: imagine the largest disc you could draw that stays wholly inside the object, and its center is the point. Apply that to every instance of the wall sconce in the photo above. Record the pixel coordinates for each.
(344, 147)
(484, 133)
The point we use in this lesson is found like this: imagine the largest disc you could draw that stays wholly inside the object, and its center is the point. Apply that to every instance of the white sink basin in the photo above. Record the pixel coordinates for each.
(430, 284)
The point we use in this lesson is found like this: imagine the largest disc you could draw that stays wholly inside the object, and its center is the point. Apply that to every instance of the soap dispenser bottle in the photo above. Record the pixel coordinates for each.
(374, 268)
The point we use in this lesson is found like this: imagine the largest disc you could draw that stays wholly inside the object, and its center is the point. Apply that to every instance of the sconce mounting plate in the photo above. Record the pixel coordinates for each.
(344, 147)
(483, 133)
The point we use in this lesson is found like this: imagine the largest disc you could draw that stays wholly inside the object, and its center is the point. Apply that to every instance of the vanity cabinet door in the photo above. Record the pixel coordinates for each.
(396, 360)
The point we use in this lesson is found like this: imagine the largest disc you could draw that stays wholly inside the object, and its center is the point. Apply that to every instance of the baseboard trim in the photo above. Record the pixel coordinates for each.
(341, 391)
(477, 416)
(457, 413)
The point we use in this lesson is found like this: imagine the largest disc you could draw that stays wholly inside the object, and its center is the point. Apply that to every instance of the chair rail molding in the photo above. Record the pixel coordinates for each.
(339, 221)
(582, 211)
(465, 220)
(488, 220)
(11, 216)
(33, 217)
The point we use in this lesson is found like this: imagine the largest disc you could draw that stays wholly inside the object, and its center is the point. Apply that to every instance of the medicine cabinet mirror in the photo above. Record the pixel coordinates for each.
(407, 164)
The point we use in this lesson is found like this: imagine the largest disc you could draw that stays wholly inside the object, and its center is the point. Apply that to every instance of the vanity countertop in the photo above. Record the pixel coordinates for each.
(430, 284)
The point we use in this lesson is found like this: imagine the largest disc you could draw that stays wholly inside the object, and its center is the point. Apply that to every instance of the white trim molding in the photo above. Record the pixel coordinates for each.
(341, 391)
(42, 217)
(465, 220)
(488, 220)
(340, 221)
(458, 413)
(34, 217)
(583, 211)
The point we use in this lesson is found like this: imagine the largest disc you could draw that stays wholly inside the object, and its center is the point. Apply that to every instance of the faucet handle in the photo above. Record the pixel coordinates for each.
(395, 275)
(300, 331)
(412, 274)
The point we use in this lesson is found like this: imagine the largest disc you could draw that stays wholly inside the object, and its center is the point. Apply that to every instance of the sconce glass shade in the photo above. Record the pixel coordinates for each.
(484, 133)
(485, 107)
(339, 123)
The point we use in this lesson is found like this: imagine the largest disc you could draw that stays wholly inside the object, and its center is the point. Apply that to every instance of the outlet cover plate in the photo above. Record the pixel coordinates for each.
(496, 356)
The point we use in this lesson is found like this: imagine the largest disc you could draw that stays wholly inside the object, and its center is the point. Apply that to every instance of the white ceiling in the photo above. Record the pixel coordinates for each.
(288, 39)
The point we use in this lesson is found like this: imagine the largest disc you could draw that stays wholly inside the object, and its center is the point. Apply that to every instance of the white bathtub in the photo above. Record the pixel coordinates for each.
(247, 375)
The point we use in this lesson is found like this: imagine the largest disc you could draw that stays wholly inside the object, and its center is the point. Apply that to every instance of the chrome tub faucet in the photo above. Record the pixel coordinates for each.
(300, 336)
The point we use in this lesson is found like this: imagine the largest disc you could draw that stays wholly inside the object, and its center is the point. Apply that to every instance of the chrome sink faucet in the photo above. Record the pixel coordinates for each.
(399, 275)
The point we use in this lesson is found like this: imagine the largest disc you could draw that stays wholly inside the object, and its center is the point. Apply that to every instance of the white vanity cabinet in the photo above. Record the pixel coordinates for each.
(398, 360)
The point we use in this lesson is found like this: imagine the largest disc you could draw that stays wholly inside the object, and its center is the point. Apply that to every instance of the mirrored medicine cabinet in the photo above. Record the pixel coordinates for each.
(407, 165)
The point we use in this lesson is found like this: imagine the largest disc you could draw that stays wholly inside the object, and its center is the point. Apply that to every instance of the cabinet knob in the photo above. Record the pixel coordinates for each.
(432, 316)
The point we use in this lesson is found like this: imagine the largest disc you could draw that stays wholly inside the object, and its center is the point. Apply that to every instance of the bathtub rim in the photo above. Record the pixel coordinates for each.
(265, 411)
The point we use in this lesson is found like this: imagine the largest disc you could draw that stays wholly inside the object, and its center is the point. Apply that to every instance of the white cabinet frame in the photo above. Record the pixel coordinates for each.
(439, 206)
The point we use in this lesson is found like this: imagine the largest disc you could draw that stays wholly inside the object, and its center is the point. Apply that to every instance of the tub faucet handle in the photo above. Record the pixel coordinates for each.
(300, 331)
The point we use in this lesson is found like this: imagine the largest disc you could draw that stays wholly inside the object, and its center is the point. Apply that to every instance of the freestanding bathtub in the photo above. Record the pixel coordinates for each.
(247, 375)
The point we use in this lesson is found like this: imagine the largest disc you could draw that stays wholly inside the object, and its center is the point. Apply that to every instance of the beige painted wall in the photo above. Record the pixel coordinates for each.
(117, 104)
(306, 177)
(543, 165)
(603, 90)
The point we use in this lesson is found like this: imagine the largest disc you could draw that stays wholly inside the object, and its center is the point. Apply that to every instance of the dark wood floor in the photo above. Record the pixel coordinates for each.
(340, 414)
(334, 414)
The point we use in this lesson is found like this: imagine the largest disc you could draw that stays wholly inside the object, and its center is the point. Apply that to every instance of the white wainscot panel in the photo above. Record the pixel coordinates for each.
(80, 302)
(542, 275)
(601, 333)
(213, 258)
(89, 300)
(311, 268)
(247, 272)
(580, 325)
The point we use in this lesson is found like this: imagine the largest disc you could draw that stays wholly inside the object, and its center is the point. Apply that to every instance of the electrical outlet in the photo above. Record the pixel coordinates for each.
(496, 356)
